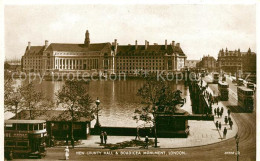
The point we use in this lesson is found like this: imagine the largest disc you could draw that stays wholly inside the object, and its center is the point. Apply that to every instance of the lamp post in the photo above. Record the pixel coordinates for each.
(237, 142)
(97, 125)
(155, 130)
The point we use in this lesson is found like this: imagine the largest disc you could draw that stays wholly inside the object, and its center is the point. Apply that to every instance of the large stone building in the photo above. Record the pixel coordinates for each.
(191, 63)
(235, 61)
(208, 63)
(103, 57)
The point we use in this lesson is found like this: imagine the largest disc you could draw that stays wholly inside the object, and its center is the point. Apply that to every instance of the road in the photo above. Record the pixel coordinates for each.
(219, 151)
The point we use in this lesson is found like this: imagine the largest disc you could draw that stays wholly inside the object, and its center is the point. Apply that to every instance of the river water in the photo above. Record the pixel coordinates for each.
(118, 98)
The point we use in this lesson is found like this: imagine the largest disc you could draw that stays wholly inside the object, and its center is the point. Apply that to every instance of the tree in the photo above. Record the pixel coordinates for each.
(34, 101)
(157, 96)
(75, 99)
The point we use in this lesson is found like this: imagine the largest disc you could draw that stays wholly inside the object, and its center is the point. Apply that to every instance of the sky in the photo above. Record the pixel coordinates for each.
(200, 29)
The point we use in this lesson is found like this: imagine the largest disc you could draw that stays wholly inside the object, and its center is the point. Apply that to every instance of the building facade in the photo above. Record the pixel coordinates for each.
(191, 63)
(60, 57)
(103, 57)
(207, 62)
(235, 61)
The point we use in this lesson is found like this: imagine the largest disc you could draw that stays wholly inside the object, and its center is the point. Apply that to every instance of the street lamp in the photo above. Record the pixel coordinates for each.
(155, 130)
(97, 125)
(237, 142)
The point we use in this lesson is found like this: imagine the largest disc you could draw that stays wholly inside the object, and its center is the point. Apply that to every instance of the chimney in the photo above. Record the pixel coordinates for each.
(178, 45)
(46, 44)
(173, 43)
(115, 44)
(29, 45)
(135, 44)
(165, 44)
(145, 44)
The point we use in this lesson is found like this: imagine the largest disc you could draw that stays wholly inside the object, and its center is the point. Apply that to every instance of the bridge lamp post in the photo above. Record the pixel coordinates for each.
(237, 142)
(97, 125)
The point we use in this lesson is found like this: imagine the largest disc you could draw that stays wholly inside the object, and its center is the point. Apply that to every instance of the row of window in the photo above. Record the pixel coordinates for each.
(26, 127)
(136, 68)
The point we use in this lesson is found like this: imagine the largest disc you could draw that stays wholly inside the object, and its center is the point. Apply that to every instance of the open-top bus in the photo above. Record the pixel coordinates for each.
(25, 138)
(245, 98)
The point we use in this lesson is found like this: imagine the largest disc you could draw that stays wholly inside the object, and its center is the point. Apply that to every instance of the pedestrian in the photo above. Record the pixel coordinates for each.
(226, 120)
(105, 137)
(67, 139)
(52, 141)
(231, 124)
(229, 112)
(72, 142)
(215, 111)
(219, 125)
(137, 134)
(222, 110)
(225, 133)
(218, 111)
(146, 142)
(11, 155)
(101, 137)
(229, 119)
(67, 153)
(221, 113)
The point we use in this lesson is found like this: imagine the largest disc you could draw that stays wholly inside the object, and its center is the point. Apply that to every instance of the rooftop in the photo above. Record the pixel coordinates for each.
(50, 115)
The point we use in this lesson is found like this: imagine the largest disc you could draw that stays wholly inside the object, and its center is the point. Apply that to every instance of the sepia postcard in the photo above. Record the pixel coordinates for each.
(130, 80)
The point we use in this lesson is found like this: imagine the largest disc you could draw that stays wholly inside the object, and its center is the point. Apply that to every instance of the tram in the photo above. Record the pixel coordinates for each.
(245, 98)
(24, 138)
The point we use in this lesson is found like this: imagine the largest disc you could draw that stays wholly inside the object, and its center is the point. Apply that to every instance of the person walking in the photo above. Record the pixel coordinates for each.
(229, 112)
(67, 139)
(137, 134)
(225, 133)
(215, 111)
(105, 137)
(221, 113)
(219, 125)
(218, 111)
(226, 120)
(101, 137)
(146, 142)
(67, 153)
(222, 110)
(231, 124)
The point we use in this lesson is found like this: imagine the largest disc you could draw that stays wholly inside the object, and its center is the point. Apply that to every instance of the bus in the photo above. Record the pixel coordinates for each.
(25, 138)
(245, 98)
(240, 82)
(223, 90)
(215, 77)
(250, 86)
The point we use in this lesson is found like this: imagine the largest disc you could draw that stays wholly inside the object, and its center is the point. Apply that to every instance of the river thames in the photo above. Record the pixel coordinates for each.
(118, 98)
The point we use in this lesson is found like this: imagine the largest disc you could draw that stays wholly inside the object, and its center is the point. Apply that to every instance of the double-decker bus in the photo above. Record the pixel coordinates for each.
(215, 77)
(223, 90)
(240, 82)
(25, 138)
(245, 98)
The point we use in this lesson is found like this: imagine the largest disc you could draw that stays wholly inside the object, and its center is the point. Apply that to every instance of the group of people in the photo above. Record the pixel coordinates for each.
(103, 137)
(218, 112)
(227, 120)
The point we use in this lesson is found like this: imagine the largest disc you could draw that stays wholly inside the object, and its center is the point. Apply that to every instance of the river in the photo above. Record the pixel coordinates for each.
(118, 98)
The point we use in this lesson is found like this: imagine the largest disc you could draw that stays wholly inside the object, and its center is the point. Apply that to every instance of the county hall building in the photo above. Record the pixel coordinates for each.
(103, 57)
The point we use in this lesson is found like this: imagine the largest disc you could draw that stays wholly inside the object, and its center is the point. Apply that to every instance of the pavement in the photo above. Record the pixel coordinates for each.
(201, 133)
